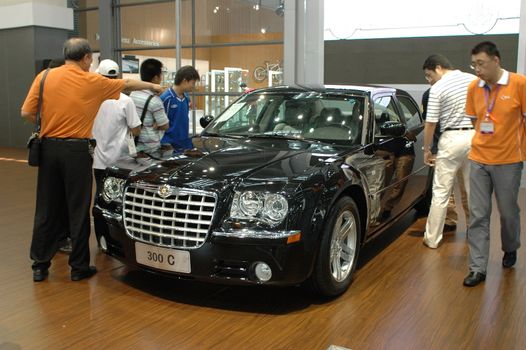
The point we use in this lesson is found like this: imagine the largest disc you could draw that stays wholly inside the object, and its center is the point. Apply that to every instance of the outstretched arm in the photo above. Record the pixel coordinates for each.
(134, 85)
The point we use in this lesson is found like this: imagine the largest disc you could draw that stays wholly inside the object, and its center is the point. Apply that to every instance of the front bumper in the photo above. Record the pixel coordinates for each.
(226, 256)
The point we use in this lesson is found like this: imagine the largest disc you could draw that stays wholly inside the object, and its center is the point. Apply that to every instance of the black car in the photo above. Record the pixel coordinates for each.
(285, 187)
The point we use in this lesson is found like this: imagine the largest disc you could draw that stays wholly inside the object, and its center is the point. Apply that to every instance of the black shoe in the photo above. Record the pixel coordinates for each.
(474, 278)
(80, 275)
(39, 275)
(509, 259)
(65, 246)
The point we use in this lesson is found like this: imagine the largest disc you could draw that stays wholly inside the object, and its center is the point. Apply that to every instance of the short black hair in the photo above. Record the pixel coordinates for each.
(487, 47)
(151, 68)
(435, 60)
(187, 73)
(76, 48)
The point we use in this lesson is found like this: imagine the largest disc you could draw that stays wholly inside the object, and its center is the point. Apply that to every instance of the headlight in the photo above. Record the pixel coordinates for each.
(112, 189)
(268, 207)
(250, 203)
(276, 207)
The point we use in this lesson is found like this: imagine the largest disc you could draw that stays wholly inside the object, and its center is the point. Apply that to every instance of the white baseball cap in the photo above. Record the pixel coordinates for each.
(108, 68)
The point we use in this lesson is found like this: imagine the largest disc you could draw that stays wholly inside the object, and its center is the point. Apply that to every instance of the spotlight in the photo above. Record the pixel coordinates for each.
(280, 10)
(257, 6)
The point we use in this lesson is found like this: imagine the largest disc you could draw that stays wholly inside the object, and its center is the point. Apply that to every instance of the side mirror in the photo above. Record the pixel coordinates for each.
(205, 120)
(392, 129)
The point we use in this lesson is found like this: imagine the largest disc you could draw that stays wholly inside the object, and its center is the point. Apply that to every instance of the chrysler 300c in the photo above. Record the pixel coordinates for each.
(285, 187)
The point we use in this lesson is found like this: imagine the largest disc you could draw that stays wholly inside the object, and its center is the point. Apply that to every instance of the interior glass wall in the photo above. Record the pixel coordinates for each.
(232, 43)
(86, 17)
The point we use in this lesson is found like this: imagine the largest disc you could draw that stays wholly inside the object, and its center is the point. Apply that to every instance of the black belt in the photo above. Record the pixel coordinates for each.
(448, 129)
(92, 142)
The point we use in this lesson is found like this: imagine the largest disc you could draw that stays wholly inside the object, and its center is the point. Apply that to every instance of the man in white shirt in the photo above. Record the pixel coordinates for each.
(115, 126)
(447, 100)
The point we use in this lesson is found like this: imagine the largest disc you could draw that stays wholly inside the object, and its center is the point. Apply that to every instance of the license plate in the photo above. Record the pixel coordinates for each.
(163, 258)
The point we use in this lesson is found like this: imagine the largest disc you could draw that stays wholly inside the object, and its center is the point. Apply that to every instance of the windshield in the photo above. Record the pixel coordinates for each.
(310, 116)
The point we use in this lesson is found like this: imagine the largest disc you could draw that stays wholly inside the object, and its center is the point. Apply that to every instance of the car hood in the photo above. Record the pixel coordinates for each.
(225, 160)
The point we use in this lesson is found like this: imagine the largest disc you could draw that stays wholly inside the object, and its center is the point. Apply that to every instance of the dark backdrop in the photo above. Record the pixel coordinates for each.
(399, 60)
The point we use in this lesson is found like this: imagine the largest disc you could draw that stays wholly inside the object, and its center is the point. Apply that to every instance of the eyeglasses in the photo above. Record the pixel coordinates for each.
(478, 64)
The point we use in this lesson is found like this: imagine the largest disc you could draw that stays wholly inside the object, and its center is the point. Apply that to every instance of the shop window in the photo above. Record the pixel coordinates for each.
(230, 21)
(233, 45)
(87, 26)
(150, 25)
(84, 4)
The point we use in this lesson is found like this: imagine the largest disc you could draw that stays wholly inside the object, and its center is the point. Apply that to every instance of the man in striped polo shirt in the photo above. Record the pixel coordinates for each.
(150, 109)
(447, 100)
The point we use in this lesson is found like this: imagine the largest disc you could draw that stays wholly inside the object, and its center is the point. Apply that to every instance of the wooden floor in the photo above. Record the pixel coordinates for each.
(404, 296)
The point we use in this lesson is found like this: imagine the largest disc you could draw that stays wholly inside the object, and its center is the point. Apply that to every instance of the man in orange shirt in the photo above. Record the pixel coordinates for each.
(71, 98)
(496, 102)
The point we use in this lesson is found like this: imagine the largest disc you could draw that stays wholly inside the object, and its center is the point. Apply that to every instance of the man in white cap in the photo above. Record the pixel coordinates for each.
(115, 126)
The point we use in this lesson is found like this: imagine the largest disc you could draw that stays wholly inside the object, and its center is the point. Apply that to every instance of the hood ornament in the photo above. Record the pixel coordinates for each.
(165, 191)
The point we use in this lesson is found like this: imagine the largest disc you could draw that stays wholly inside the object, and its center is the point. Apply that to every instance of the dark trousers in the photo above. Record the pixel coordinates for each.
(63, 194)
(504, 180)
(98, 221)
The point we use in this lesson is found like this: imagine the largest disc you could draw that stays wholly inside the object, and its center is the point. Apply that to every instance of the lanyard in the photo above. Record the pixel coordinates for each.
(489, 107)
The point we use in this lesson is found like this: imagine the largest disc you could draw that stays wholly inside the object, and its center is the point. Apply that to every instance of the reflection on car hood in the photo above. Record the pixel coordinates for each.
(226, 160)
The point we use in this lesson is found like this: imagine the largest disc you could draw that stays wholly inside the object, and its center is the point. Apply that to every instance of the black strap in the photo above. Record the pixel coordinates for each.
(39, 106)
(145, 108)
(143, 114)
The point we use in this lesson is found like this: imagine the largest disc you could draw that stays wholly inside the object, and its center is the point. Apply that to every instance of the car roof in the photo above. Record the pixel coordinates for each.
(346, 89)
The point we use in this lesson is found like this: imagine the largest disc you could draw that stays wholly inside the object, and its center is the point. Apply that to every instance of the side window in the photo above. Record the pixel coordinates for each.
(410, 111)
(384, 111)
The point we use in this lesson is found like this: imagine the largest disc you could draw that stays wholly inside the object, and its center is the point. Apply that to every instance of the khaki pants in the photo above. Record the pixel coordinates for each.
(451, 215)
(453, 149)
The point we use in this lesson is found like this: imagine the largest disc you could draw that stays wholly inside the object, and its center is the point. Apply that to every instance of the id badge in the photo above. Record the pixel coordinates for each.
(131, 145)
(487, 128)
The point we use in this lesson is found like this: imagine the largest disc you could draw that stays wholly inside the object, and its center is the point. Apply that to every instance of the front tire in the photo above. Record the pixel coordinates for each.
(338, 251)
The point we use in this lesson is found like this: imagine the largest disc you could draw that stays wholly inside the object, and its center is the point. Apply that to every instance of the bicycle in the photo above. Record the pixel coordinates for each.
(261, 72)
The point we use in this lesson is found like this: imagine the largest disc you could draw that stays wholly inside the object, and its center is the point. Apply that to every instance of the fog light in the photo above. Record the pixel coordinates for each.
(103, 244)
(263, 272)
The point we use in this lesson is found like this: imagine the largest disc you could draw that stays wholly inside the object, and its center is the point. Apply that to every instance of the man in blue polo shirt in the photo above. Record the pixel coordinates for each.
(177, 106)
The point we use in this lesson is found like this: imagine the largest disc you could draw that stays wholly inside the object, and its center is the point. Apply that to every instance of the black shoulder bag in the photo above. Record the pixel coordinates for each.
(143, 114)
(33, 144)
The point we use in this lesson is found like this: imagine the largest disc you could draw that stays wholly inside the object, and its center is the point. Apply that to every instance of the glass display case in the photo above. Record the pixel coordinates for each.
(234, 78)
(215, 82)
(275, 78)
(229, 80)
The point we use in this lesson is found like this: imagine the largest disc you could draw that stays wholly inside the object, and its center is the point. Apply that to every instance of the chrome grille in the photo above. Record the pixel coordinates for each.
(181, 220)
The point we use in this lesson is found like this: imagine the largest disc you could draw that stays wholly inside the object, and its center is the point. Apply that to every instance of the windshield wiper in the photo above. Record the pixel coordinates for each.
(276, 136)
(215, 134)
(210, 134)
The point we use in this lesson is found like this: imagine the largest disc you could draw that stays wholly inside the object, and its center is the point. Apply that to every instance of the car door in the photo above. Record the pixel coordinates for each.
(420, 179)
(398, 155)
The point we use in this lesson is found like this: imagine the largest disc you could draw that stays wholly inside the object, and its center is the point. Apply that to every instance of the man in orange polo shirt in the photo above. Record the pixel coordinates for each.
(496, 102)
(71, 98)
